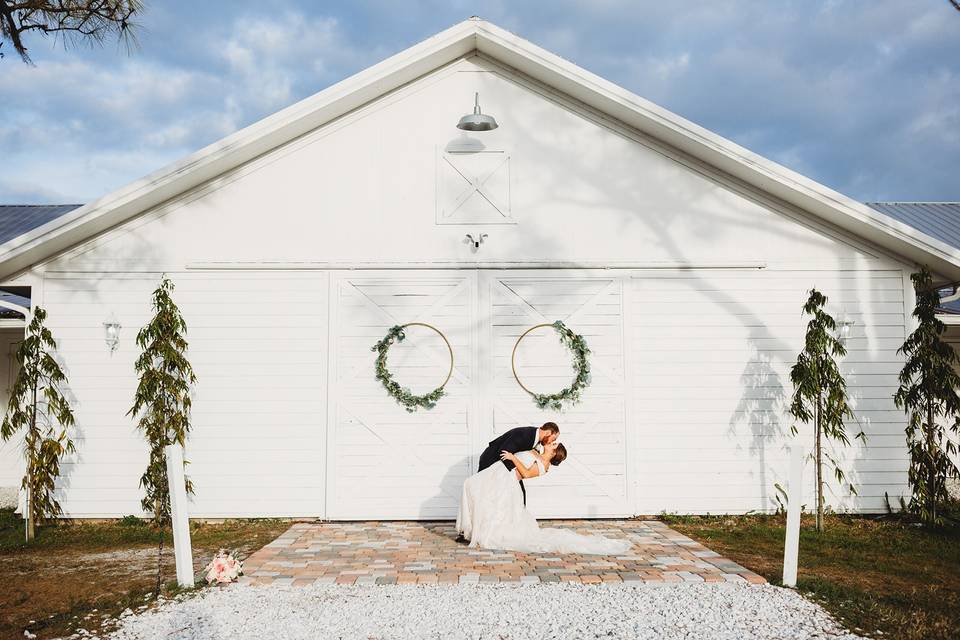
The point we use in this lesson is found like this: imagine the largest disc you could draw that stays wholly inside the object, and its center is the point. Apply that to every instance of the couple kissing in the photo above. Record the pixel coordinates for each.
(493, 513)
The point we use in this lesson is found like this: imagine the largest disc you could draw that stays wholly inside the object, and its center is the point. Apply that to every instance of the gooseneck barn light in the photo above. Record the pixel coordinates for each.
(477, 121)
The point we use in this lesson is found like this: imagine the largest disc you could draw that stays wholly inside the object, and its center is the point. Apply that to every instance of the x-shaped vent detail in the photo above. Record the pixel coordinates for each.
(475, 187)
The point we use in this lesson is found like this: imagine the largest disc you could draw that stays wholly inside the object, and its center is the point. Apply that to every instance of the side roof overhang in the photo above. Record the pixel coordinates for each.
(475, 35)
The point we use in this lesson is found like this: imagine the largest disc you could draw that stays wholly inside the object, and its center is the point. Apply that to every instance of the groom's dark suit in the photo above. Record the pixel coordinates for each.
(514, 441)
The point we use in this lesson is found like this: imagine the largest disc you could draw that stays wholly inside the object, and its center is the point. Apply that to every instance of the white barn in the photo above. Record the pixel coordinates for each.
(297, 242)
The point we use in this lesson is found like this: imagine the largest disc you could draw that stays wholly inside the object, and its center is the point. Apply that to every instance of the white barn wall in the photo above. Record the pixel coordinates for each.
(257, 344)
(11, 458)
(364, 190)
(952, 337)
(712, 387)
(677, 412)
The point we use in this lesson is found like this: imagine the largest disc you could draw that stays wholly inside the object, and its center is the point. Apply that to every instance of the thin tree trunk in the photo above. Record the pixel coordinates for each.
(31, 498)
(819, 474)
(159, 565)
(932, 493)
(29, 523)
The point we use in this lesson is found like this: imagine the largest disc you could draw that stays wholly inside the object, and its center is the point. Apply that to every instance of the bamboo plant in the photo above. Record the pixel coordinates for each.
(820, 391)
(162, 400)
(928, 394)
(39, 408)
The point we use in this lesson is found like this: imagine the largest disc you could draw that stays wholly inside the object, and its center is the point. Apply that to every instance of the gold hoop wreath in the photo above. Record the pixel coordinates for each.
(402, 395)
(580, 351)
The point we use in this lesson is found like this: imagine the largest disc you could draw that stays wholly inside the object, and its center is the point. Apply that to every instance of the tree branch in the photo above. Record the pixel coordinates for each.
(89, 20)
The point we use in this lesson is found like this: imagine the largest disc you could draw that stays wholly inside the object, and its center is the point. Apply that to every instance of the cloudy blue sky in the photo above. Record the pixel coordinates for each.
(862, 95)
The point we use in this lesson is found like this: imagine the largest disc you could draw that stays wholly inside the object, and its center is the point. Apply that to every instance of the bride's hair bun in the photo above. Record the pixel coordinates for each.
(559, 455)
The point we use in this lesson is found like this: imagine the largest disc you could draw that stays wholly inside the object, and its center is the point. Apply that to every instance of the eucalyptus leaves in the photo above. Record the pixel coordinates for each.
(578, 347)
(820, 391)
(39, 407)
(928, 393)
(408, 400)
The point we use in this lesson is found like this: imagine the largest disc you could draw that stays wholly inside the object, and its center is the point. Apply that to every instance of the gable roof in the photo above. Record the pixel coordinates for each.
(18, 219)
(465, 38)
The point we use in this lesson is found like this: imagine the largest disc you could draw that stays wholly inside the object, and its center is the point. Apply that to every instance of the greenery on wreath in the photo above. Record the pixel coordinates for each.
(571, 395)
(407, 399)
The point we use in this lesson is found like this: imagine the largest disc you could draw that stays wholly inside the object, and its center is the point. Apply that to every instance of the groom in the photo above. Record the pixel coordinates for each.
(515, 441)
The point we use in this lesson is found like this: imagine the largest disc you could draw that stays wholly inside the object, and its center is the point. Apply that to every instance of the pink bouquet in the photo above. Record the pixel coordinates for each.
(223, 568)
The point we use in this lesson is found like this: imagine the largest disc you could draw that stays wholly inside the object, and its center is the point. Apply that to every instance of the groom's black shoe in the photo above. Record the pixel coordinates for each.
(461, 539)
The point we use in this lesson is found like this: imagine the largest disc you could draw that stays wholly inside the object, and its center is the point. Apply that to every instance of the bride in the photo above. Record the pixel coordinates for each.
(492, 514)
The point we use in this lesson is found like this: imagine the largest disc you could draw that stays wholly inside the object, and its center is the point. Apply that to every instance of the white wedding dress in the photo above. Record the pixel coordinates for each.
(492, 516)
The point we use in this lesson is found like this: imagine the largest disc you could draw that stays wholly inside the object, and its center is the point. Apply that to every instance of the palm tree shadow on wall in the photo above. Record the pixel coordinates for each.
(759, 412)
(70, 461)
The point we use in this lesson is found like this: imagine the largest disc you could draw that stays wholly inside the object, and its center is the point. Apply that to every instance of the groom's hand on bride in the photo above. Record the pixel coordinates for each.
(506, 455)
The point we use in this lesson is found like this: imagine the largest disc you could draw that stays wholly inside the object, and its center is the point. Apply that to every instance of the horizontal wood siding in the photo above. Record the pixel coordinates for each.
(11, 457)
(258, 346)
(711, 387)
(952, 337)
(686, 411)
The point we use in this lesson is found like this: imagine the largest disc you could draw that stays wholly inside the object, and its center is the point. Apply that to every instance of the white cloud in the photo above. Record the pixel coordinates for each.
(269, 58)
(862, 96)
(114, 120)
(670, 66)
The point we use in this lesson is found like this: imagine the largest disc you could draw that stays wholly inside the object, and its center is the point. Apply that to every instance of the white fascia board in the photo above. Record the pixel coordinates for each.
(541, 65)
(950, 319)
(716, 151)
(236, 149)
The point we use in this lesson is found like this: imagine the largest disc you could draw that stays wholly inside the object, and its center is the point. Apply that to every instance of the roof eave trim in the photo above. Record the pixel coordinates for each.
(715, 150)
(458, 41)
(239, 148)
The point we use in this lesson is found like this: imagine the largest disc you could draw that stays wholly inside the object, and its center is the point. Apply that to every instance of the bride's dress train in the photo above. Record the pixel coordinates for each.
(492, 516)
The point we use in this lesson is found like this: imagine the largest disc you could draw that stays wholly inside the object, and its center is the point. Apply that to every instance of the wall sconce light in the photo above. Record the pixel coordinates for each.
(111, 330)
(476, 242)
(845, 329)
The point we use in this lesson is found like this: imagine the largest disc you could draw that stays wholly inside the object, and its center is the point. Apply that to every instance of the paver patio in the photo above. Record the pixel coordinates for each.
(426, 552)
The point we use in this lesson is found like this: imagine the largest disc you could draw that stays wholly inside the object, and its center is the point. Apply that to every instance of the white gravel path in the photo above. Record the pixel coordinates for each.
(515, 612)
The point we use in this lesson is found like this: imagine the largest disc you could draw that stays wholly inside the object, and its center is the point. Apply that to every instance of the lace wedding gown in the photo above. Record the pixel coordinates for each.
(492, 516)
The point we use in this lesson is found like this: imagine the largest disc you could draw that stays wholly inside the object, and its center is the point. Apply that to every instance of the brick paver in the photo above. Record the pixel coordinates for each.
(426, 553)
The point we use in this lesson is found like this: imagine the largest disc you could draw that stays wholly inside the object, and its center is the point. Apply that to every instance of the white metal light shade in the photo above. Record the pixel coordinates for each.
(477, 121)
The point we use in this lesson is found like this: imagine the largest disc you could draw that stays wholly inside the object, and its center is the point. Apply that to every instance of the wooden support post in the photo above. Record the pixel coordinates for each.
(179, 516)
(791, 546)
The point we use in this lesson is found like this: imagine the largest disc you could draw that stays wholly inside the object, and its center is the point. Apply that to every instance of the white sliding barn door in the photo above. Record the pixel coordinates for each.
(592, 482)
(384, 462)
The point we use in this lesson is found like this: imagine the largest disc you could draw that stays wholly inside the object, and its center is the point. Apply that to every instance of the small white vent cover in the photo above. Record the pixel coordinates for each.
(473, 187)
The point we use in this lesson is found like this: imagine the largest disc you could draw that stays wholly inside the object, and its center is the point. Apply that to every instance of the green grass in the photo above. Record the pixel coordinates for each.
(874, 574)
(69, 569)
(126, 532)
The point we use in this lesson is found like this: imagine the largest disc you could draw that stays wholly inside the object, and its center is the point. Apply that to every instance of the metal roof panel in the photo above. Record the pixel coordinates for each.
(940, 220)
(17, 219)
